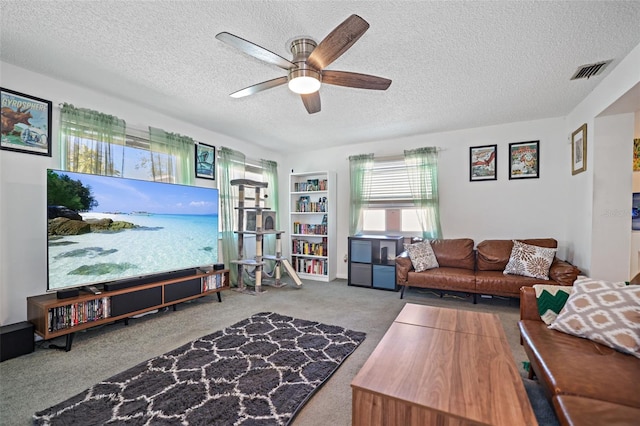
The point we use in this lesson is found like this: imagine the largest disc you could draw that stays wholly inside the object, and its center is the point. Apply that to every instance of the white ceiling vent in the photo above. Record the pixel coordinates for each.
(591, 70)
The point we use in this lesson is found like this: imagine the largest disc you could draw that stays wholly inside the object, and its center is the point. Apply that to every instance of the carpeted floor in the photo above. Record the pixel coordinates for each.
(33, 382)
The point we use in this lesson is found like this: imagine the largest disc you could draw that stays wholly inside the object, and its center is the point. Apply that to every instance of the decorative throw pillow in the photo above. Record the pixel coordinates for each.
(551, 300)
(530, 261)
(422, 256)
(605, 312)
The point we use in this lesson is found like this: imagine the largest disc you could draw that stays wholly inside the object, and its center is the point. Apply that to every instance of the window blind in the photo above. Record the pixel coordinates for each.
(389, 183)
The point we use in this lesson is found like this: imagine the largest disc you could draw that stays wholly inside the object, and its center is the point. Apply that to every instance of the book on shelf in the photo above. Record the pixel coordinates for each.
(305, 205)
(309, 228)
(212, 282)
(310, 185)
(309, 247)
(311, 266)
(74, 314)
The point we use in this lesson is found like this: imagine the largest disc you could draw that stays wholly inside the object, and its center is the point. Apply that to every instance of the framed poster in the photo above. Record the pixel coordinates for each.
(524, 160)
(483, 161)
(579, 150)
(205, 161)
(26, 123)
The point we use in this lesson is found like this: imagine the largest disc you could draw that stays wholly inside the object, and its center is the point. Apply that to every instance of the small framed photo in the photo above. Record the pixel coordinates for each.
(524, 160)
(26, 123)
(579, 150)
(205, 161)
(483, 161)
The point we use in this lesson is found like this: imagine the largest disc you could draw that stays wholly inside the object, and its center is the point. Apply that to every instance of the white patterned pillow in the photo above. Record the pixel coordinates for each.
(605, 312)
(422, 256)
(530, 261)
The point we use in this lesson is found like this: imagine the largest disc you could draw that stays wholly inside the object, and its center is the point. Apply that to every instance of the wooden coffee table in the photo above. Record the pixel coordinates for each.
(441, 366)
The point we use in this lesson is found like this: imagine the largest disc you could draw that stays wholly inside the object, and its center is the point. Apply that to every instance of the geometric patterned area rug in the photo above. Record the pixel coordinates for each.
(259, 371)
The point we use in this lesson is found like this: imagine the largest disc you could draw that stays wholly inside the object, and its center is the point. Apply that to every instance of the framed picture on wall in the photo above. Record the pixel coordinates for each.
(579, 150)
(524, 160)
(205, 161)
(26, 123)
(483, 161)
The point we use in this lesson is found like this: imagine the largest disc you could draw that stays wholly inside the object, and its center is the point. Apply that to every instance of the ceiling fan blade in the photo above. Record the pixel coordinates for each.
(353, 79)
(269, 84)
(337, 42)
(311, 102)
(254, 50)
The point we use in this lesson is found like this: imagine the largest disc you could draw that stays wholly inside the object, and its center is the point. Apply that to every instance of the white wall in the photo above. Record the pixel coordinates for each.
(635, 235)
(23, 266)
(612, 188)
(499, 209)
(587, 191)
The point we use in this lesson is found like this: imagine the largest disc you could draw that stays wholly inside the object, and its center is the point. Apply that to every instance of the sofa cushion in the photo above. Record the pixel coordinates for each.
(578, 410)
(605, 312)
(422, 256)
(550, 300)
(566, 364)
(493, 255)
(495, 282)
(444, 278)
(563, 272)
(455, 252)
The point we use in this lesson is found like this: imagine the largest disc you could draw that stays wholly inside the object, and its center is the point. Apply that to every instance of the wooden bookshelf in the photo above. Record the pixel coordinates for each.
(53, 317)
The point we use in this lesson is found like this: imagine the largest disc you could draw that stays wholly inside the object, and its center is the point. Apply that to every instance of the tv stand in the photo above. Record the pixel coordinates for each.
(53, 317)
(67, 346)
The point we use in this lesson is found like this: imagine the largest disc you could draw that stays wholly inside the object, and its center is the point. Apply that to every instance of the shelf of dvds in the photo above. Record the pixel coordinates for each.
(53, 317)
(312, 224)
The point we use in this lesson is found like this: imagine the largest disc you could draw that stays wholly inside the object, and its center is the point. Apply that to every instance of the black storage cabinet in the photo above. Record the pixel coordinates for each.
(372, 261)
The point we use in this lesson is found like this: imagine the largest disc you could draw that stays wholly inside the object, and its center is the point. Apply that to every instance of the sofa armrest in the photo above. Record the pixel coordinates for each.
(403, 266)
(563, 272)
(529, 304)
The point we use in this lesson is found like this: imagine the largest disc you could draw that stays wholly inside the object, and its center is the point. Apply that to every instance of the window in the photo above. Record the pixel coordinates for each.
(141, 163)
(253, 170)
(131, 158)
(390, 206)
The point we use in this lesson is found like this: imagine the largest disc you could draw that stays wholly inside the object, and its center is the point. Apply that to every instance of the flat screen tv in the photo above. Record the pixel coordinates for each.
(103, 229)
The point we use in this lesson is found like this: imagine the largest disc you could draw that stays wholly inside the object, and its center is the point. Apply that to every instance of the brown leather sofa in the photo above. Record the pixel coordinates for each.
(480, 270)
(588, 383)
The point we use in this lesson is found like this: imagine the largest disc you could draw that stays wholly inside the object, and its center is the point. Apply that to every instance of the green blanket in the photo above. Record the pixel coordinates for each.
(551, 300)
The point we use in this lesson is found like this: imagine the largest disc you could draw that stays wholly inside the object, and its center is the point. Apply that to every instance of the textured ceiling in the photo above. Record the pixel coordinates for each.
(453, 64)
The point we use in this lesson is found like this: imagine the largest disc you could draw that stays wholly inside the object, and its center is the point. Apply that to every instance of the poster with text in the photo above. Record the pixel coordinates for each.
(26, 123)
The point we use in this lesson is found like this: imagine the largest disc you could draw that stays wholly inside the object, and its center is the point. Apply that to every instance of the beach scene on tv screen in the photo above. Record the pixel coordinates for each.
(103, 229)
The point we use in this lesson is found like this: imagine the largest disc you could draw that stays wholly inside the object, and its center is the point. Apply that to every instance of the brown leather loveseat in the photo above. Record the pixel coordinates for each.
(587, 382)
(478, 271)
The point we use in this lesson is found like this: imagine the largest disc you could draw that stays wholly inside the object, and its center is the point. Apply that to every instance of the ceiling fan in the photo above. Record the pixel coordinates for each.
(306, 70)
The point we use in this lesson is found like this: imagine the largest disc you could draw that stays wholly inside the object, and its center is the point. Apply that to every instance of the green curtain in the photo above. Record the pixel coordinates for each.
(231, 165)
(360, 167)
(270, 176)
(422, 169)
(172, 157)
(89, 141)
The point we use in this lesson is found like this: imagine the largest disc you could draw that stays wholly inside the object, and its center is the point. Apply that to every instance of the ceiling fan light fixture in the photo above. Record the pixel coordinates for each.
(304, 81)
